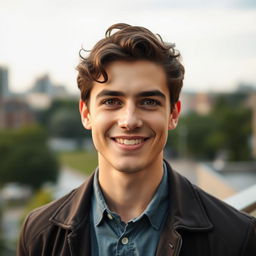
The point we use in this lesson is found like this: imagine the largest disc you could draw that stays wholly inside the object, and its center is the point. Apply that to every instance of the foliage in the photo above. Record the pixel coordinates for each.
(65, 123)
(26, 158)
(234, 129)
(227, 128)
(42, 196)
(83, 161)
(63, 120)
(44, 116)
(200, 129)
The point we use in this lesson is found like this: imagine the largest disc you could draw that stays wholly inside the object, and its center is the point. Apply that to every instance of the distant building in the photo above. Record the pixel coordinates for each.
(15, 114)
(246, 87)
(43, 91)
(38, 101)
(200, 103)
(59, 91)
(224, 179)
(4, 83)
(44, 85)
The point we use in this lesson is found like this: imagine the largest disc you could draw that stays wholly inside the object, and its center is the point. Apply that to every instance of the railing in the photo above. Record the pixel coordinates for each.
(244, 201)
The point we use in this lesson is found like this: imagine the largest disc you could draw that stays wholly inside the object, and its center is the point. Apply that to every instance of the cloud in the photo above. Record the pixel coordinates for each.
(45, 36)
(199, 4)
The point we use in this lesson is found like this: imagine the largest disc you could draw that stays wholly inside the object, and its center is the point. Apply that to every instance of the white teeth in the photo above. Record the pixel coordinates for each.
(129, 142)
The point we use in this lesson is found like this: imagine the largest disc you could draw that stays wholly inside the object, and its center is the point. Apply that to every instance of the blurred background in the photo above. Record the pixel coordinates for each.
(44, 150)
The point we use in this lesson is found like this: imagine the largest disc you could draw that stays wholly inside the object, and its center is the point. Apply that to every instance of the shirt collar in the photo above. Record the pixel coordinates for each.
(155, 210)
(187, 209)
(98, 202)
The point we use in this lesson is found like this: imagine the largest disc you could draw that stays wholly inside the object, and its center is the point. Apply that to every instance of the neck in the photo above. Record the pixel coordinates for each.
(129, 193)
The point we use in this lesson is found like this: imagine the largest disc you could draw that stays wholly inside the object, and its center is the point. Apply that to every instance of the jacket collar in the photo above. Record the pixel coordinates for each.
(74, 210)
(185, 207)
(186, 210)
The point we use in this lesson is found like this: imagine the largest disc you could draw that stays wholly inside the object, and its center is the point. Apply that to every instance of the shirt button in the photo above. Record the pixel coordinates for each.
(110, 216)
(125, 240)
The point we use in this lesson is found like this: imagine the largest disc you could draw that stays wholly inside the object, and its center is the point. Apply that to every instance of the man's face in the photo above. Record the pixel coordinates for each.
(130, 115)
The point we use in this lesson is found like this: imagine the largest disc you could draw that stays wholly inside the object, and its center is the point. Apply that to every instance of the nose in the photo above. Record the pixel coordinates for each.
(129, 119)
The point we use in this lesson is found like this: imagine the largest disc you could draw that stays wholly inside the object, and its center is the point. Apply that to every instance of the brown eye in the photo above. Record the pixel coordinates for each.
(150, 102)
(112, 102)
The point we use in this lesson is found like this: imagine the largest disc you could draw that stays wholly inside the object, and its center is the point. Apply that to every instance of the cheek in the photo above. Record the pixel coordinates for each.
(101, 123)
(159, 122)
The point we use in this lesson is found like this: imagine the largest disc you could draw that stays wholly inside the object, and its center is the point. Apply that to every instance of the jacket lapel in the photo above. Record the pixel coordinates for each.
(79, 241)
(185, 212)
(73, 215)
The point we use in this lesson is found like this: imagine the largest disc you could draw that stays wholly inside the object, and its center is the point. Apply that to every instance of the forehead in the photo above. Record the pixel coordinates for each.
(133, 77)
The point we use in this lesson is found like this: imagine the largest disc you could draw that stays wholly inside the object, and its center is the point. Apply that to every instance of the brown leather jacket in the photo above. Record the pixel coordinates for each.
(197, 224)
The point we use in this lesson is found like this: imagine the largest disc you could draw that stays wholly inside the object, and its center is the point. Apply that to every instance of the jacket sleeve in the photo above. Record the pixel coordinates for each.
(21, 249)
(249, 245)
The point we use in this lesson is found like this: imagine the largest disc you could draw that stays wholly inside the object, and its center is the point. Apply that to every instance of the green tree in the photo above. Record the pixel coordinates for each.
(62, 119)
(66, 123)
(197, 137)
(234, 129)
(67, 104)
(26, 158)
(227, 128)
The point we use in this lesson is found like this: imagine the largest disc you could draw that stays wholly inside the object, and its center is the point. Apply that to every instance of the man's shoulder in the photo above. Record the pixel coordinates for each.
(218, 209)
(39, 219)
(229, 229)
(58, 217)
(63, 212)
(47, 210)
(230, 226)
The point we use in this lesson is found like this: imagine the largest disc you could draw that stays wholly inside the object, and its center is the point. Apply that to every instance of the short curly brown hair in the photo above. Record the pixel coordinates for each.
(129, 43)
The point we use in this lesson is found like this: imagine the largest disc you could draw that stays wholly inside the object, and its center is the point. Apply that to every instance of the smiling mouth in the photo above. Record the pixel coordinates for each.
(131, 142)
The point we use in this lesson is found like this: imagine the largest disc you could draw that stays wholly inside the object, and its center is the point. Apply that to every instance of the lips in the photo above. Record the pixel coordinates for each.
(129, 141)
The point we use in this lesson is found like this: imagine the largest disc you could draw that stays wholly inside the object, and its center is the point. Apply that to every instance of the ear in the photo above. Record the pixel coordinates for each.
(85, 115)
(174, 116)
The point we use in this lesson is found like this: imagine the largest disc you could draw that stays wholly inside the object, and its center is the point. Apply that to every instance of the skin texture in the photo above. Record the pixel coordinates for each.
(130, 117)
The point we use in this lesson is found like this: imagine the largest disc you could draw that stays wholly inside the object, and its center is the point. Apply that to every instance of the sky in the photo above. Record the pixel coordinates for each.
(217, 39)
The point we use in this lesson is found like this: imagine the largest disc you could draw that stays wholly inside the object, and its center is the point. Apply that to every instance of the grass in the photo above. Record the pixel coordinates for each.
(82, 161)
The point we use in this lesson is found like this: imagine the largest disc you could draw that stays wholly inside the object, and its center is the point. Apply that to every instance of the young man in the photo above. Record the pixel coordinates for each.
(134, 203)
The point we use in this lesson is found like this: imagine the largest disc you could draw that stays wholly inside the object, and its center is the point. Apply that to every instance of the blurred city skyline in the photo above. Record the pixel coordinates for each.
(217, 39)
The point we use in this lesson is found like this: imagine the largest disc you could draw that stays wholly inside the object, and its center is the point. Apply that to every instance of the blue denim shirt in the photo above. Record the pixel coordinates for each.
(112, 237)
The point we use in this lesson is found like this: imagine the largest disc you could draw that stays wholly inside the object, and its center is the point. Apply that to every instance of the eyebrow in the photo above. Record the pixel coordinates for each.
(140, 94)
(151, 93)
(109, 93)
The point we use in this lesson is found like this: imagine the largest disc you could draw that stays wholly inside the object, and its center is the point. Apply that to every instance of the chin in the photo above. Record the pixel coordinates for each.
(129, 167)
